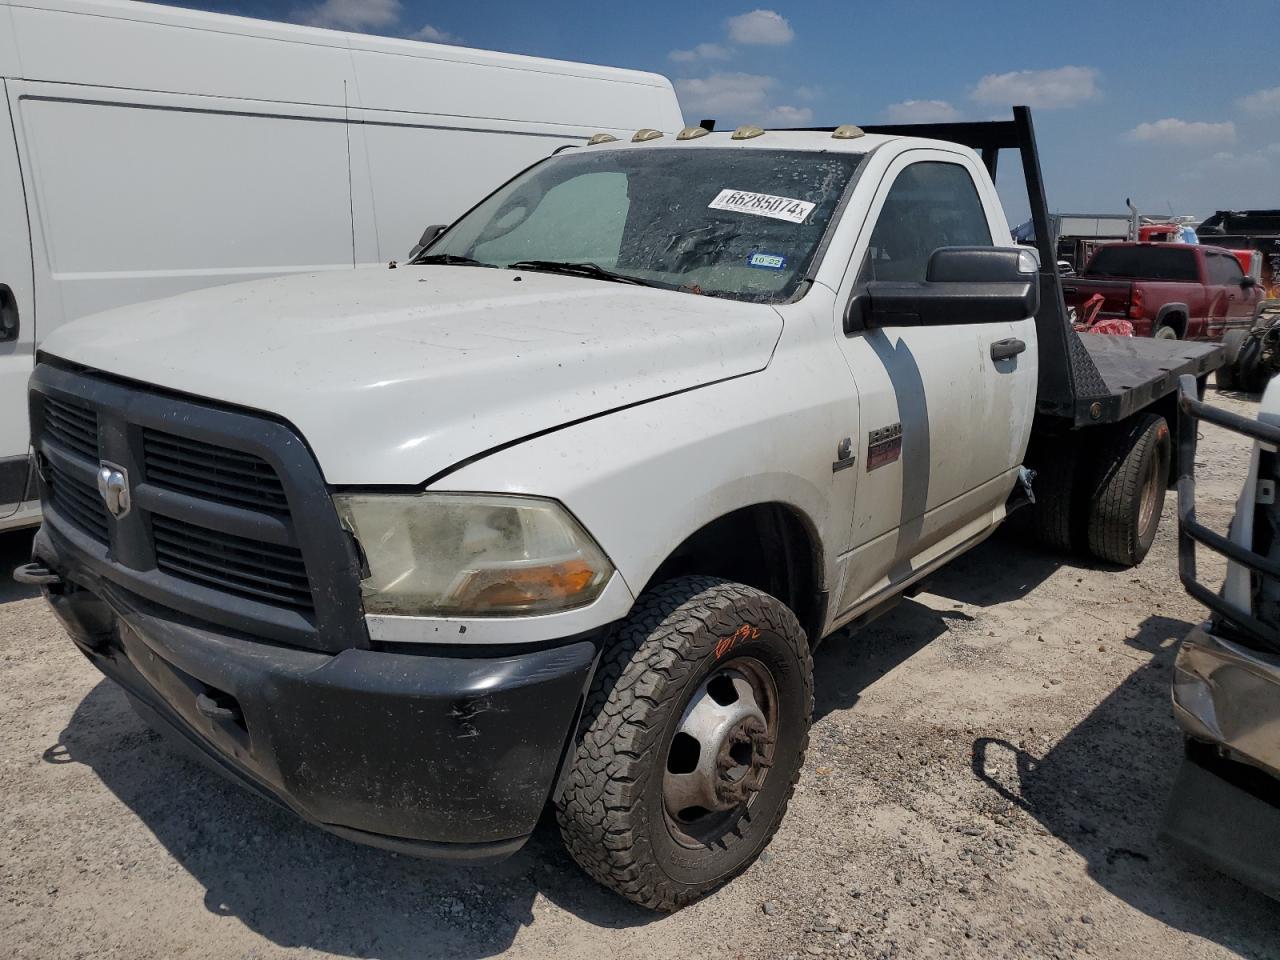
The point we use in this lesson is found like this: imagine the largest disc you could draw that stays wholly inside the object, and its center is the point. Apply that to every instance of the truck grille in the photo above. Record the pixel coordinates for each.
(72, 425)
(80, 504)
(204, 470)
(230, 521)
(247, 568)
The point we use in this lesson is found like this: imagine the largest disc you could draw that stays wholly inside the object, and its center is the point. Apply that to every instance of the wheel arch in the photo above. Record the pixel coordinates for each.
(772, 546)
(1173, 315)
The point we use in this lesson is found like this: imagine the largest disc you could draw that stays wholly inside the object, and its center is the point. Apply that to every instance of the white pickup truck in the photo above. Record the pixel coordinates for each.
(558, 511)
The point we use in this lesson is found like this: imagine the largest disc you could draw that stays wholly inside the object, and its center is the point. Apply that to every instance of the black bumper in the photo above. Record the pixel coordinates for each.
(440, 756)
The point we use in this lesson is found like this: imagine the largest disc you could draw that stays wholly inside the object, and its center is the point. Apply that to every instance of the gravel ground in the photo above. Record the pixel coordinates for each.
(988, 767)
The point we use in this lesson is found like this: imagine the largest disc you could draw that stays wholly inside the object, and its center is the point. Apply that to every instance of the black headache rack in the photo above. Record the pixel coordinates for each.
(1083, 380)
(1192, 533)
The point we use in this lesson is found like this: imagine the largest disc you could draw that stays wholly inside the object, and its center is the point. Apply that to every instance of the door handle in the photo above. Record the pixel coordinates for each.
(1070, 289)
(1004, 349)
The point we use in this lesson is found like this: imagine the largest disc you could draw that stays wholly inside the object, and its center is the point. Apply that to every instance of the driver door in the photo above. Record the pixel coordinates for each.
(945, 423)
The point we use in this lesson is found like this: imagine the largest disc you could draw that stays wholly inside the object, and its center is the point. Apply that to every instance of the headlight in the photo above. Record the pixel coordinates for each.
(440, 554)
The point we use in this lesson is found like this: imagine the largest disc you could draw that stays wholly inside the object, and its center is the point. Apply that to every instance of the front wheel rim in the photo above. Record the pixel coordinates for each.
(720, 754)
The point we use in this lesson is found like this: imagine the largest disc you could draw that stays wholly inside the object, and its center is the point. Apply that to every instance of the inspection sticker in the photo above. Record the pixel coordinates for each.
(762, 205)
(769, 261)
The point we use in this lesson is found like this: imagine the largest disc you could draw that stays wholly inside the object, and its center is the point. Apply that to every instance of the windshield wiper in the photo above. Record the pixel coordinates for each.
(593, 270)
(449, 259)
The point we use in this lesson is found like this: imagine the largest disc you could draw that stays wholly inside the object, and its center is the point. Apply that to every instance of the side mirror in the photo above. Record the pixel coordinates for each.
(1247, 281)
(961, 285)
(428, 237)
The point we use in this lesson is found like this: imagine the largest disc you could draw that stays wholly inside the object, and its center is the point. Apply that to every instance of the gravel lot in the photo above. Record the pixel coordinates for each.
(988, 768)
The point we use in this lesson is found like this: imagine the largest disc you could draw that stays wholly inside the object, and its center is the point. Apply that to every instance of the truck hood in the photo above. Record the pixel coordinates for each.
(393, 376)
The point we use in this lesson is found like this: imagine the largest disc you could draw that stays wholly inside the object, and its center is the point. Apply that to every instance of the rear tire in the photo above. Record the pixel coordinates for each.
(1166, 333)
(1228, 377)
(1130, 475)
(1250, 374)
(636, 782)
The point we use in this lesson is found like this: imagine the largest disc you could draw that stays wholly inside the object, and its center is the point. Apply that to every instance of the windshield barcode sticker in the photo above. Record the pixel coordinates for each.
(762, 205)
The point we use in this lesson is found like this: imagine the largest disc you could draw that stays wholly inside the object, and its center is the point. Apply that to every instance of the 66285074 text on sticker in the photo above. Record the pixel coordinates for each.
(762, 205)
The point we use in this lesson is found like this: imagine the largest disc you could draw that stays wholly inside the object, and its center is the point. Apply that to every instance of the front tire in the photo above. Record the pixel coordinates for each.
(691, 742)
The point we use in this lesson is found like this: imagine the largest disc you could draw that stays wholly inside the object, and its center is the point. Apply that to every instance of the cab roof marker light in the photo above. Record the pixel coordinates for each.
(601, 138)
(646, 133)
(747, 132)
(692, 133)
(847, 131)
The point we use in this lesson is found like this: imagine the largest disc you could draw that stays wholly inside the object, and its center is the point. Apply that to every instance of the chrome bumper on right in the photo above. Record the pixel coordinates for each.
(1228, 695)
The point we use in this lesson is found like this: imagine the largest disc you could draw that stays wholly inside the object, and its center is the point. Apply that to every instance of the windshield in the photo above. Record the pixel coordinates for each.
(1144, 263)
(735, 223)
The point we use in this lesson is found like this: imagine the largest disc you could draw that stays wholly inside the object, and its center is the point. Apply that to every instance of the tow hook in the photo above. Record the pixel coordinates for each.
(37, 574)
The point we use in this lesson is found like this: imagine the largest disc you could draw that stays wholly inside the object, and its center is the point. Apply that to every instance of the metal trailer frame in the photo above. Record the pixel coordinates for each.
(1084, 381)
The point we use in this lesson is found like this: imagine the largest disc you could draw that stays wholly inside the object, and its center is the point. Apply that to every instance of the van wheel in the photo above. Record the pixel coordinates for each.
(1131, 473)
(691, 742)
(1166, 333)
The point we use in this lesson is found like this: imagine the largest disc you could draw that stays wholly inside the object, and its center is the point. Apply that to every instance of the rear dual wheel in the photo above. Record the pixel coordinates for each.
(691, 742)
(1130, 477)
(1106, 495)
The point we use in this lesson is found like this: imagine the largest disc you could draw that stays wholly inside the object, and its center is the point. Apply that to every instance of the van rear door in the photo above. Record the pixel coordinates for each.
(17, 319)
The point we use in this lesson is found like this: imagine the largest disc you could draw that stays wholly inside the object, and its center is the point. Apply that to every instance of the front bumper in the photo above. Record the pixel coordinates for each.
(1225, 804)
(442, 756)
(1228, 695)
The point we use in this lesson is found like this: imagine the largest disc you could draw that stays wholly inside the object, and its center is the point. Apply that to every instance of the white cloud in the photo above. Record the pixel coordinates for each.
(1262, 102)
(434, 35)
(350, 14)
(921, 111)
(703, 51)
(723, 94)
(1184, 133)
(739, 98)
(760, 27)
(1046, 89)
(785, 115)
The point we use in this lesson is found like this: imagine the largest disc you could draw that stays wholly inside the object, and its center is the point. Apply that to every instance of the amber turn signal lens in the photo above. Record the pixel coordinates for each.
(554, 584)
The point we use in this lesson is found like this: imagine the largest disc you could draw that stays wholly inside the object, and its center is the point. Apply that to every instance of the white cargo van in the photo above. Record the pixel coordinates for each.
(148, 150)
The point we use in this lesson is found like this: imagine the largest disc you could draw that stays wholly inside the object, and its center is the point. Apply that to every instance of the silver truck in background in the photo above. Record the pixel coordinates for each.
(1225, 805)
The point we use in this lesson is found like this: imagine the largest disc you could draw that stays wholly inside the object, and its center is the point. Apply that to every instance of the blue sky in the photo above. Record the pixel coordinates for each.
(1176, 104)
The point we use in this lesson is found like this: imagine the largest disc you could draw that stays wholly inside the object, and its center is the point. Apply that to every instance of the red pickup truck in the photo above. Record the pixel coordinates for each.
(1175, 290)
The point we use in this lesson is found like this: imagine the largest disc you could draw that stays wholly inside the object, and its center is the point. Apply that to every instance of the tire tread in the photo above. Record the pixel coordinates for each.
(602, 809)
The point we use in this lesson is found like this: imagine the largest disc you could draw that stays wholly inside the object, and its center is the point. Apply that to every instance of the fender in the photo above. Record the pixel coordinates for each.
(642, 480)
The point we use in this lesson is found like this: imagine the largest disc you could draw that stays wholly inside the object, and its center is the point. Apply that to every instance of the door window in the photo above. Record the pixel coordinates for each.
(931, 204)
(1224, 270)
